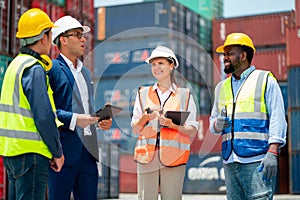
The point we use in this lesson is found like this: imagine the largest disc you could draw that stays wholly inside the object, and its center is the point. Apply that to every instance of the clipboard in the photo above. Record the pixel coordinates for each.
(107, 111)
(178, 117)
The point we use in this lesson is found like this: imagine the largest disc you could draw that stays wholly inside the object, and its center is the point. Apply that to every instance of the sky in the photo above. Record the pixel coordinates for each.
(232, 8)
(236, 8)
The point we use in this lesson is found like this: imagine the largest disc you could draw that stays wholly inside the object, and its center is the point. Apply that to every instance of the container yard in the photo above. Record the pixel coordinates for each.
(123, 36)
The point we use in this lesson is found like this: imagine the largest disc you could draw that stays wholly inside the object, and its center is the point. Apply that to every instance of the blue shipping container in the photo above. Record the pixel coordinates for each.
(293, 87)
(294, 129)
(284, 91)
(294, 158)
(204, 174)
(125, 17)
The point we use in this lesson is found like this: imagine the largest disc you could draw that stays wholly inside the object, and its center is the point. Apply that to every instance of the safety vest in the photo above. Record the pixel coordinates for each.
(174, 146)
(249, 133)
(18, 133)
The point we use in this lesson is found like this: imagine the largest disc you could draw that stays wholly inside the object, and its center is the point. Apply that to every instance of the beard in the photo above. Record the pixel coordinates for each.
(229, 69)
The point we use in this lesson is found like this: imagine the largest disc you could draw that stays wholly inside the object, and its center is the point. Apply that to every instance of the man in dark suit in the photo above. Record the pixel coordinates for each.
(73, 96)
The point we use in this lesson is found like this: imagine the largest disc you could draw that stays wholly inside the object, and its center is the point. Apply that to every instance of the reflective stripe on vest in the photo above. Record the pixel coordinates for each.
(174, 146)
(18, 132)
(250, 133)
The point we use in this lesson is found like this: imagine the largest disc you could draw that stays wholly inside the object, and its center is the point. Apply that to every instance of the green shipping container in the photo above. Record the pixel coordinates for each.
(58, 2)
(206, 8)
(4, 62)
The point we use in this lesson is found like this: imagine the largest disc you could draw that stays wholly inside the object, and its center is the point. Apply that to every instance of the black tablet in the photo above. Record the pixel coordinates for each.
(108, 111)
(178, 117)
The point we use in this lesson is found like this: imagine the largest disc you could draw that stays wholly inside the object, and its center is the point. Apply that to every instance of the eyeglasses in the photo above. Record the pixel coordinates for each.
(79, 35)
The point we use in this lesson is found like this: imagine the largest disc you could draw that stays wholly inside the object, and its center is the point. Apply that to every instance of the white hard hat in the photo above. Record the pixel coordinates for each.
(64, 24)
(163, 52)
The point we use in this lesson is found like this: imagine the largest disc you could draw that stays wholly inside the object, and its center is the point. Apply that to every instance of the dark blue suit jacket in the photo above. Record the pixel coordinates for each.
(68, 101)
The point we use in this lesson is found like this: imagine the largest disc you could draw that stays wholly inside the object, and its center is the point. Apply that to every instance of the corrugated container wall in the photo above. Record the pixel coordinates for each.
(4, 62)
(272, 34)
(5, 15)
(2, 180)
(164, 14)
(206, 8)
(293, 44)
(294, 129)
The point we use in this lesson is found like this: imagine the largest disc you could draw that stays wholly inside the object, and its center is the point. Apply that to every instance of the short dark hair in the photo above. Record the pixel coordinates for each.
(249, 51)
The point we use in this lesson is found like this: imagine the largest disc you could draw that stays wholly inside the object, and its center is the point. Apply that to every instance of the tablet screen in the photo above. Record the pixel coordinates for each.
(178, 117)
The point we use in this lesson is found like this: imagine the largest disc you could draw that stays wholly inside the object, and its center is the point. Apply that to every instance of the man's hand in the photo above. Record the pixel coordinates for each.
(57, 163)
(268, 166)
(84, 120)
(105, 124)
(221, 123)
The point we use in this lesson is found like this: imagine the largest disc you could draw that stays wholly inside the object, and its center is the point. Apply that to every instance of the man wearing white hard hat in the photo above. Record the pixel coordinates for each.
(163, 146)
(73, 96)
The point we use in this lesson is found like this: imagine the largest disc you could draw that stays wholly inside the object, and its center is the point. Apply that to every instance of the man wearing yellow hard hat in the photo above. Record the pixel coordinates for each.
(248, 112)
(28, 133)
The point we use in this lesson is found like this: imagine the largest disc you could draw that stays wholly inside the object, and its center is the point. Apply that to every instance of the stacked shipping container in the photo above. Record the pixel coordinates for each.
(293, 44)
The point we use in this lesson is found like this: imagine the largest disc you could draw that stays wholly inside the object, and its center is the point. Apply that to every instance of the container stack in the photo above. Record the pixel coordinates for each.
(2, 180)
(293, 44)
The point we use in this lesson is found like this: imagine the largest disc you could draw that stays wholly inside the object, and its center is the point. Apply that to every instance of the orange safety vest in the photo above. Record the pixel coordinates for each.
(174, 146)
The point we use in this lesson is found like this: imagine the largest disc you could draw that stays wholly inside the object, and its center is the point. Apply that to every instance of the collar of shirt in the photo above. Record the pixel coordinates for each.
(70, 64)
(171, 89)
(245, 73)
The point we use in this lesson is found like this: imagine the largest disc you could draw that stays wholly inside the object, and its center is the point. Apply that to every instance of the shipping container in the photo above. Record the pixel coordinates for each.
(18, 8)
(284, 91)
(207, 8)
(294, 158)
(294, 129)
(124, 52)
(5, 16)
(294, 88)
(204, 174)
(274, 28)
(114, 20)
(74, 8)
(128, 174)
(152, 14)
(108, 169)
(4, 62)
(292, 46)
(3, 184)
(274, 60)
(56, 12)
(60, 3)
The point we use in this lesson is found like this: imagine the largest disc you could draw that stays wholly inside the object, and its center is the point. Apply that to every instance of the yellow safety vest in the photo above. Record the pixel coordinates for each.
(18, 133)
(249, 133)
(174, 146)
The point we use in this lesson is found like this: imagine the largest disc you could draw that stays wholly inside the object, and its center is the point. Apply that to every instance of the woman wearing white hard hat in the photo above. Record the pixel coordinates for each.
(72, 87)
(163, 146)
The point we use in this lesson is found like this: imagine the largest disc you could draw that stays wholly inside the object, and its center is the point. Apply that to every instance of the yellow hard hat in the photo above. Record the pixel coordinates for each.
(236, 39)
(32, 23)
